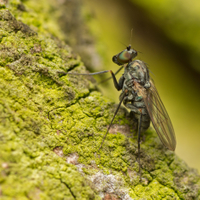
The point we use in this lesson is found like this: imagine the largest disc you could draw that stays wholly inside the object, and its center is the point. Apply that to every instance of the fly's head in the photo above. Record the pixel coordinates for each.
(125, 56)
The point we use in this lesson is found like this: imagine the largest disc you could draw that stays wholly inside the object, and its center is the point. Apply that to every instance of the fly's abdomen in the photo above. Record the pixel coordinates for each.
(138, 108)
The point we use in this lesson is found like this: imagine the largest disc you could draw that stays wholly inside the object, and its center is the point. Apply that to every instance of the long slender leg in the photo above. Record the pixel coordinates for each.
(117, 86)
(86, 74)
(107, 79)
(113, 119)
(139, 132)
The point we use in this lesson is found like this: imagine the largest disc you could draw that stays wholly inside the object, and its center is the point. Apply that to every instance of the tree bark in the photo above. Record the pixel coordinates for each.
(52, 125)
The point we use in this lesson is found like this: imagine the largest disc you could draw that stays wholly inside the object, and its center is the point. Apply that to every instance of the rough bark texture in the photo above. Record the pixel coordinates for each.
(52, 126)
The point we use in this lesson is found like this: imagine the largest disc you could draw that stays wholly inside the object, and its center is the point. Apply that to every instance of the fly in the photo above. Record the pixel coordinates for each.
(140, 95)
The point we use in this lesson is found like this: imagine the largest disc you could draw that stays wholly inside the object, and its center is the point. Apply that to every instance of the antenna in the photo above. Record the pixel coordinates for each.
(131, 36)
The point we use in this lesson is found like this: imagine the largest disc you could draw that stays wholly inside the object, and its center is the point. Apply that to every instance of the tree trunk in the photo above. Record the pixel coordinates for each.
(52, 124)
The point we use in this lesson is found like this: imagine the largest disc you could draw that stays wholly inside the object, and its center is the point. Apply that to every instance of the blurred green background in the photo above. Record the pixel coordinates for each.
(166, 33)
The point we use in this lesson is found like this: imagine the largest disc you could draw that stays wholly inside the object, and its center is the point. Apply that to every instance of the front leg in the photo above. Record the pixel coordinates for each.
(117, 85)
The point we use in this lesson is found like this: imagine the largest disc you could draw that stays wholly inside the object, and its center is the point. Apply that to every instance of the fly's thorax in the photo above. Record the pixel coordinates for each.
(137, 70)
(136, 78)
(131, 73)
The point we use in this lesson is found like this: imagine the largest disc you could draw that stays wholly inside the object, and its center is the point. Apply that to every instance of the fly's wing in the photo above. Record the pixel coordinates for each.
(160, 117)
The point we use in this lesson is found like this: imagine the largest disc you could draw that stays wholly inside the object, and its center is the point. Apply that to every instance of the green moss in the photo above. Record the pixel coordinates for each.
(30, 90)
(155, 191)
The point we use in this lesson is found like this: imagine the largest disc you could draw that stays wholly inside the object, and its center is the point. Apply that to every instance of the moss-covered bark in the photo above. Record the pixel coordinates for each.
(52, 126)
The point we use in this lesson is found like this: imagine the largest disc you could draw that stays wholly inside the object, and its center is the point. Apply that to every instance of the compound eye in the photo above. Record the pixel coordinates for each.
(116, 60)
(124, 56)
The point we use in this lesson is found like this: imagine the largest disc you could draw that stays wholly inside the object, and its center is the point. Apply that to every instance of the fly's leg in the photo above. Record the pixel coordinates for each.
(122, 98)
(107, 79)
(117, 85)
(139, 134)
(85, 74)
(138, 115)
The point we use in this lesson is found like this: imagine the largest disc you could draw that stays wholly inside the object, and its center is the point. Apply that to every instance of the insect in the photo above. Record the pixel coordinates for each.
(140, 96)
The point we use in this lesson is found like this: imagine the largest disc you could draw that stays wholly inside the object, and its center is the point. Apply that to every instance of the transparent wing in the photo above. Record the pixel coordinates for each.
(159, 117)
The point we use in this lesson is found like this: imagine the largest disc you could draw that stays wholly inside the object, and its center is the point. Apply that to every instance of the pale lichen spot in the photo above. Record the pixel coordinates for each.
(58, 151)
(110, 184)
(91, 98)
(72, 159)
